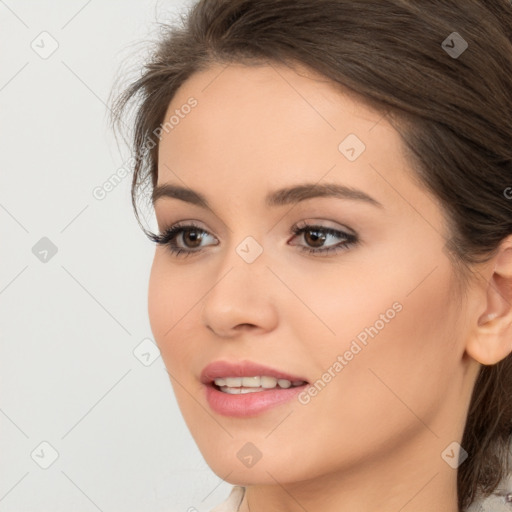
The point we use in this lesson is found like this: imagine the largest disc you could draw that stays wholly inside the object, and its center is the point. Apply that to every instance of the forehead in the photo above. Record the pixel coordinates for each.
(269, 117)
(273, 94)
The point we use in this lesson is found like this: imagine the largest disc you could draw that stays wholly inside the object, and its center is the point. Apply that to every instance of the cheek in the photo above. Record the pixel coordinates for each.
(396, 367)
(166, 300)
(173, 306)
(159, 299)
(339, 305)
(170, 307)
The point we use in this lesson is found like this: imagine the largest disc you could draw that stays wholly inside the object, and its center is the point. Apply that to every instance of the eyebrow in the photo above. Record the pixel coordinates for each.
(281, 197)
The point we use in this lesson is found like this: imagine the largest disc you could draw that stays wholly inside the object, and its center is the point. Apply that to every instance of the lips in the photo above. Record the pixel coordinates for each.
(248, 404)
(219, 369)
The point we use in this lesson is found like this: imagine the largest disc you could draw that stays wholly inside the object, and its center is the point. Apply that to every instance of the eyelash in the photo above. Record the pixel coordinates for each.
(167, 238)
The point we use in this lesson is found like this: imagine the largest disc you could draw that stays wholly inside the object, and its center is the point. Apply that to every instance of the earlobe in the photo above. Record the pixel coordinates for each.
(491, 338)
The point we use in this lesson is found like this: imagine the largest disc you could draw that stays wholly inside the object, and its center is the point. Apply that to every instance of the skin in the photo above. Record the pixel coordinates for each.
(373, 438)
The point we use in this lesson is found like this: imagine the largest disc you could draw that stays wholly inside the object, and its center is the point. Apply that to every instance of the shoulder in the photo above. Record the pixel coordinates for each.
(233, 501)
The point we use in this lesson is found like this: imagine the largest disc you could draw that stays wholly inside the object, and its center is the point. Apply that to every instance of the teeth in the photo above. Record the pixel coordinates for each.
(251, 382)
(234, 382)
(239, 391)
(268, 382)
(236, 385)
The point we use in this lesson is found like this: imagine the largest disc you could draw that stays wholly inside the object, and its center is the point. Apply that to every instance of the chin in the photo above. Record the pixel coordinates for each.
(231, 467)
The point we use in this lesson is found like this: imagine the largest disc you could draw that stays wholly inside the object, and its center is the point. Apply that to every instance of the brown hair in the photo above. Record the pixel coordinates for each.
(453, 112)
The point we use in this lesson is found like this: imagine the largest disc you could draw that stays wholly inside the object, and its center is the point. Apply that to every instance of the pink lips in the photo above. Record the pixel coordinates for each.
(219, 369)
(246, 404)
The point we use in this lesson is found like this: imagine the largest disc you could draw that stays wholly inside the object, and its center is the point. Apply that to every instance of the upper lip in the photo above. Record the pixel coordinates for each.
(219, 369)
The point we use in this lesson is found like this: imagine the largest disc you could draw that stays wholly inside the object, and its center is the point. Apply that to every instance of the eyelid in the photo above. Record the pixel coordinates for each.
(350, 238)
(325, 224)
(307, 221)
(310, 222)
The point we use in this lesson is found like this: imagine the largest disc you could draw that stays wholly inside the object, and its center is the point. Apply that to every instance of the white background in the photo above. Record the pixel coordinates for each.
(69, 325)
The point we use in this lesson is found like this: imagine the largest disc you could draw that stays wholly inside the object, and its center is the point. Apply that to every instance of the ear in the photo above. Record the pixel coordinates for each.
(490, 339)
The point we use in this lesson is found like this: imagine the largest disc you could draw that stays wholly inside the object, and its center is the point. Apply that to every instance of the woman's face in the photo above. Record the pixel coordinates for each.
(373, 322)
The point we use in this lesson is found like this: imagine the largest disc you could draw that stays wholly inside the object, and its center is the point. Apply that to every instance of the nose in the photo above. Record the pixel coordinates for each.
(241, 298)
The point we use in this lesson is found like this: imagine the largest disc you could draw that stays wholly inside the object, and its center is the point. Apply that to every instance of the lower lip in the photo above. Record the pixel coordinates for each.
(248, 404)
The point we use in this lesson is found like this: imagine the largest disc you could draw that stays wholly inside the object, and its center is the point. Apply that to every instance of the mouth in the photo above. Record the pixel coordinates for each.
(254, 384)
(247, 388)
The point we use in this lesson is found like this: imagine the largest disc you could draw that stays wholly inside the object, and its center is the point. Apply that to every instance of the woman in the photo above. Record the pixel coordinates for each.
(331, 290)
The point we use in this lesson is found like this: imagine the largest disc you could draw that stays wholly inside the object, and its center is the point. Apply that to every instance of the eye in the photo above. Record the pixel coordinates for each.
(318, 235)
(191, 235)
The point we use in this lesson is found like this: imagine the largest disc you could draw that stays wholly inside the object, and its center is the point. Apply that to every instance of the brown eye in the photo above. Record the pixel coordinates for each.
(191, 238)
(315, 238)
(182, 240)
